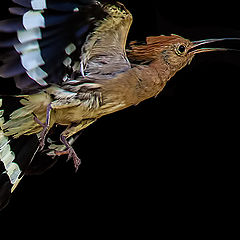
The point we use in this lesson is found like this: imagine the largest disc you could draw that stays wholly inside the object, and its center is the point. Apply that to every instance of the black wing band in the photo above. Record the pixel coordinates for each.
(37, 45)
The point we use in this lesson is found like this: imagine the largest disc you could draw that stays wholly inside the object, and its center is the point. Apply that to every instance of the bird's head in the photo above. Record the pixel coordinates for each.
(174, 50)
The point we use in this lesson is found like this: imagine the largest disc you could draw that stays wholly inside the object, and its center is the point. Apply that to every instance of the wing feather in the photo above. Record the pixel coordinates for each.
(53, 41)
(103, 53)
(35, 41)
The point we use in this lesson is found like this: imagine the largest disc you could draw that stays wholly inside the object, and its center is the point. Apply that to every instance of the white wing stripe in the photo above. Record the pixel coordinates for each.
(33, 19)
(32, 59)
(13, 172)
(70, 49)
(29, 48)
(37, 74)
(28, 35)
(26, 47)
(7, 156)
(39, 4)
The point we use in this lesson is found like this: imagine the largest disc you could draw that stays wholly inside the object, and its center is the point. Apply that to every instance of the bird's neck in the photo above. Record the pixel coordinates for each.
(152, 78)
(137, 84)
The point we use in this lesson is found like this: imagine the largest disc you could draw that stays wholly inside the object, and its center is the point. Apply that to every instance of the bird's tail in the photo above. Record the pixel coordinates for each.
(20, 156)
(15, 156)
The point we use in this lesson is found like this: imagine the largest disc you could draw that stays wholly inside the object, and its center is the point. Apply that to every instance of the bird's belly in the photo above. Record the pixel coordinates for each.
(67, 116)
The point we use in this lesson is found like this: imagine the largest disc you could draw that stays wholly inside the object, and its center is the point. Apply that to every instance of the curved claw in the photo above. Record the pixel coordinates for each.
(43, 135)
(71, 154)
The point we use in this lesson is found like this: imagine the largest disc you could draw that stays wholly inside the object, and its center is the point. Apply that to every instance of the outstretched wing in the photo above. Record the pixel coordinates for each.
(52, 41)
(103, 53)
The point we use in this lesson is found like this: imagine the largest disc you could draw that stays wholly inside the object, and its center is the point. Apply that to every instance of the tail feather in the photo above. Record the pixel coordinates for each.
(20, 156)
(5, 188)
(15, 156)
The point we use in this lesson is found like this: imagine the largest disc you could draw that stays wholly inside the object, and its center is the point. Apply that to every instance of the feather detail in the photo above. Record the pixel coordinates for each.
(21, 121)
(18, 10)
(19, 157)
(64, 6)
(11, 165)
(103, 53)
(11, 69)
(11, 25)
(44, 34)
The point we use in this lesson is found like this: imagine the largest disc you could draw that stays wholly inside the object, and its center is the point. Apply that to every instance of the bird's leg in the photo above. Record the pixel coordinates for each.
(70, 151)
(45, 126)
(71, 130)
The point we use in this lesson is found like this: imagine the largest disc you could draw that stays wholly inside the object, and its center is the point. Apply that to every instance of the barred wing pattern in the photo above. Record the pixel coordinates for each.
(38, 44)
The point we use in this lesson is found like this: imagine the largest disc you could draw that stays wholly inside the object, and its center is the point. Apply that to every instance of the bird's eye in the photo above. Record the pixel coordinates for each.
(180, 49)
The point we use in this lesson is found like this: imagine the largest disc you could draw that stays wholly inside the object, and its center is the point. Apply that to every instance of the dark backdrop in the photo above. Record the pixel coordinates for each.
(167, 158)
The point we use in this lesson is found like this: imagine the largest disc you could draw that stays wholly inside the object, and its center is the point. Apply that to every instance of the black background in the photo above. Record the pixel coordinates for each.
(168, 162)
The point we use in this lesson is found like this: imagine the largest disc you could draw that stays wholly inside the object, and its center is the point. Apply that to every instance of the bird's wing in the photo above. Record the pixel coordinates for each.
(53, 41)
(103, 54)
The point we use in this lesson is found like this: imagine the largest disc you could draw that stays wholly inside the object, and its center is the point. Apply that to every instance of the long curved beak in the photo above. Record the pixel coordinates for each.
(196, 44)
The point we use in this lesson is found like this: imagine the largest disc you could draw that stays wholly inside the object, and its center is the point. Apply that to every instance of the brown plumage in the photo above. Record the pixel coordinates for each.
(104, 79)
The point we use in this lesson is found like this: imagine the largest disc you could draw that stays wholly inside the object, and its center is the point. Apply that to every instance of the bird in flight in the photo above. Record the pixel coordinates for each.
(69, 59)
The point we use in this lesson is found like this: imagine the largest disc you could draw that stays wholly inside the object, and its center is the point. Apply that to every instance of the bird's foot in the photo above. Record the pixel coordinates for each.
(45, 126)
(71, 154)
(70, 151)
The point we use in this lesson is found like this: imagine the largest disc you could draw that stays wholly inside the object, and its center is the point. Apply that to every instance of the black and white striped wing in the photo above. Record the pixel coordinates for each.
(43, 42)
(20, 156)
